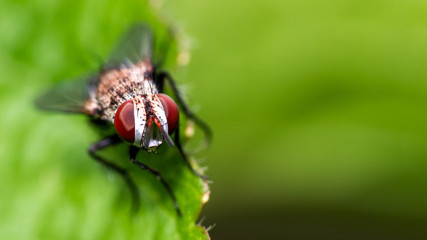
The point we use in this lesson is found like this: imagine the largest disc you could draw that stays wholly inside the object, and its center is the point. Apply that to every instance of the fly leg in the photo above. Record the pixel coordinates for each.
(107, 142)
(186, 110)
(190, 115)
(132, 153)
(184, 155)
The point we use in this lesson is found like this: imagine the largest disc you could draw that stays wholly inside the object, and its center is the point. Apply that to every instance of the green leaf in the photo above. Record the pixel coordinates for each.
(50, 187)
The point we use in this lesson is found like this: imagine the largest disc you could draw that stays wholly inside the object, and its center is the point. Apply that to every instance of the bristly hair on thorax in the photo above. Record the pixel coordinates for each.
(116, 86)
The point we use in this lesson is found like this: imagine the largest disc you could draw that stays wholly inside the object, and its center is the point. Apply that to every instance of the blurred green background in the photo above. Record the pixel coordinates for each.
(318, 107)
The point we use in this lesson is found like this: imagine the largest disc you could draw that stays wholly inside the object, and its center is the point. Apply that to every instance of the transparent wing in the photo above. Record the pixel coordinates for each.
(142, 43)
(165, 47)
(136, 45)
(69, 96)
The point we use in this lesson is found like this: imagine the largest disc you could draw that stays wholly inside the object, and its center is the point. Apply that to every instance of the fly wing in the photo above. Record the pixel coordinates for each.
(136, 45)
(139, 44)
(70, 96)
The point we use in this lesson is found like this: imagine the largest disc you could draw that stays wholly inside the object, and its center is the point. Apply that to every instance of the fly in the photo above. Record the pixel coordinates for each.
(128, 95)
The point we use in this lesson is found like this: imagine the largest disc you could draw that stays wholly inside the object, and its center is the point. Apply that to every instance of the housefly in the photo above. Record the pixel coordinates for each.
(128, 95)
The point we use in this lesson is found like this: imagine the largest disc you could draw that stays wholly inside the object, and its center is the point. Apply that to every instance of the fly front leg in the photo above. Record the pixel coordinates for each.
(132, 153)
(186, 110)
(107, 142)
(185, 156)
(190, 115)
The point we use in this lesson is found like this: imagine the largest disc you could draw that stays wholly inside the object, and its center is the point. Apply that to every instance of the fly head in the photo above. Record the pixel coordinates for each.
(147, 120)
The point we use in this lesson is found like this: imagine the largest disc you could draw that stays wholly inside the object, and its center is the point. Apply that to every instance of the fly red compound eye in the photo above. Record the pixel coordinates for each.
(171, 111)
(124, 121)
